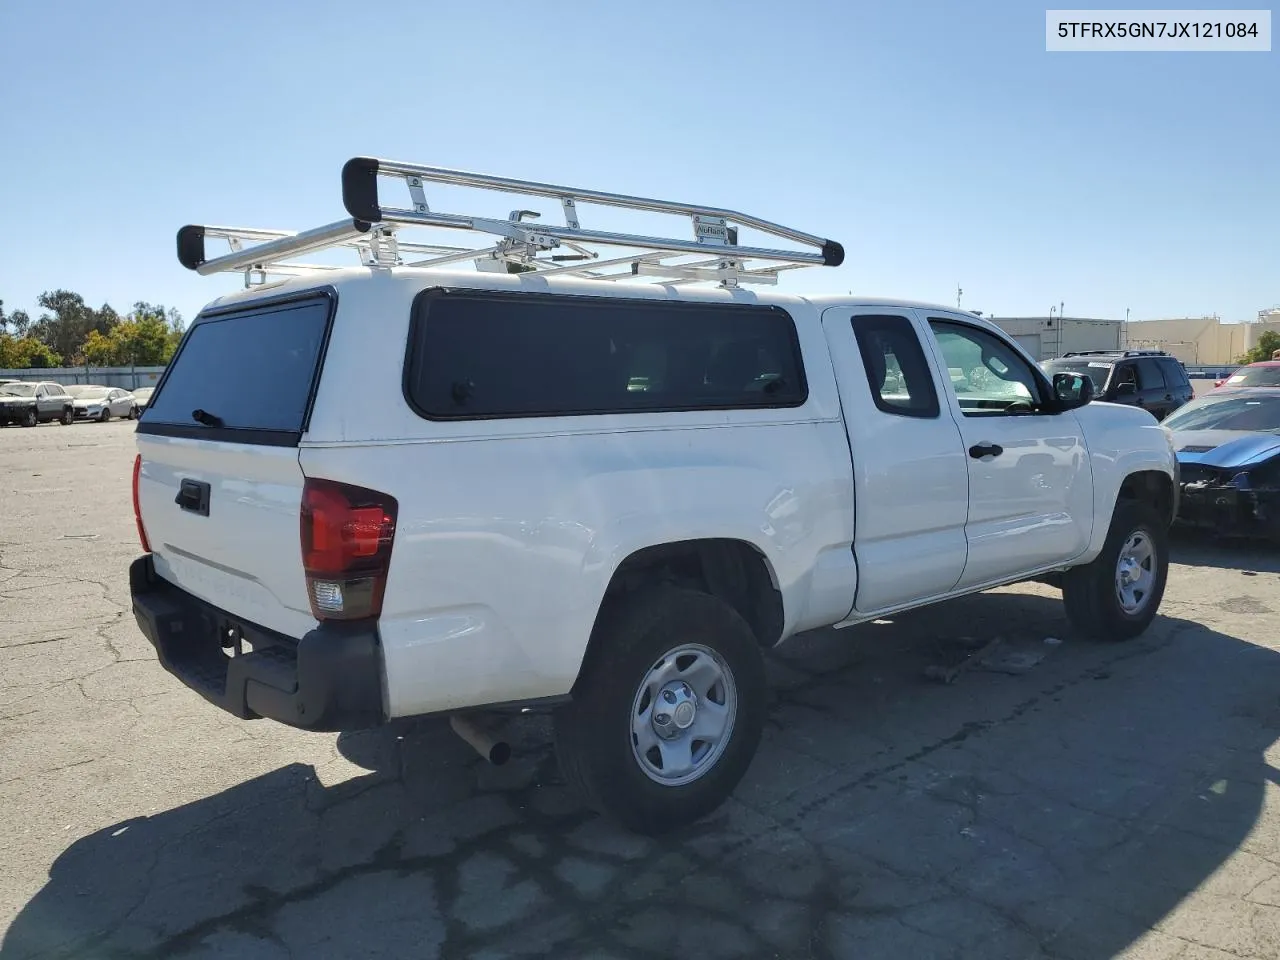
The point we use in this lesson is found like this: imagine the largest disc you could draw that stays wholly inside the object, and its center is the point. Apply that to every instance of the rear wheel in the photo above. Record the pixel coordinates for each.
(668, 711)
(30, 418)
(1117, 595)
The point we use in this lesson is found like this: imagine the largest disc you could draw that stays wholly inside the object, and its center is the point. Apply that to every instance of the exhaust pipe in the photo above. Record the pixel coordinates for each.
(497, 752)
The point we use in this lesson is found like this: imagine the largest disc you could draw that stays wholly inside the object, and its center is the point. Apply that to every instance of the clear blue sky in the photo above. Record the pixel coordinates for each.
(937, 140)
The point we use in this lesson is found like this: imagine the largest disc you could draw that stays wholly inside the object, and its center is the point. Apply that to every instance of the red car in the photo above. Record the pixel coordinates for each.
(1264, 373)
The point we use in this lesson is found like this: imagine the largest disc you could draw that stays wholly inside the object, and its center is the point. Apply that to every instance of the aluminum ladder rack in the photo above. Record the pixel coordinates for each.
(711, 253)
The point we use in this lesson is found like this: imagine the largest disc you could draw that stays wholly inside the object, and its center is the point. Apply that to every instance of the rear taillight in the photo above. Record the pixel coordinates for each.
(347, 534)
(137, 510)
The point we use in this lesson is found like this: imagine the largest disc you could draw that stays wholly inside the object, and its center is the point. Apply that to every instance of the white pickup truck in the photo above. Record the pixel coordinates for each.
(390, 491)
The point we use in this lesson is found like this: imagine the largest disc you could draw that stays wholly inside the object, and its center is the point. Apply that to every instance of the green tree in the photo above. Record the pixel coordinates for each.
(146, 338)
(18, 320)
(99, 350)
(66, 324)
(21, 353)
(1267, 344)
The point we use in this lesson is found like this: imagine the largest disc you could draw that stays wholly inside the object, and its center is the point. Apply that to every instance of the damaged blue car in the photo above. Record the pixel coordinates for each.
(1228, 447)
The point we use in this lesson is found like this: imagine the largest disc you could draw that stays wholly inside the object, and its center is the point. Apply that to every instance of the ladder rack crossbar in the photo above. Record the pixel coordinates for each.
(362, 167)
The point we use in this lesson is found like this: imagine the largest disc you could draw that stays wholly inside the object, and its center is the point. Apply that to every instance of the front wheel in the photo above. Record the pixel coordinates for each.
(1116, 596)
(68, 417)
(105, 415)
(30, 418)
(667, 712)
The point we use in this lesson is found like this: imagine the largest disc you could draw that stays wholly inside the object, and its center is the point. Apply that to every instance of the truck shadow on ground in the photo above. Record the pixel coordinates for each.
(1061, 808)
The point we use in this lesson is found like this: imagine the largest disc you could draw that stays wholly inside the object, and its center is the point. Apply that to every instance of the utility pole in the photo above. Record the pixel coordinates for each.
(958, 293)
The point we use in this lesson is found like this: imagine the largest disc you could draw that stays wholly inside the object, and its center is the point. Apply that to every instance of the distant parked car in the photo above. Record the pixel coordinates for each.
(33, 403)
(1151, 379)
(142, 396)
(1264, 373)
(102, 403)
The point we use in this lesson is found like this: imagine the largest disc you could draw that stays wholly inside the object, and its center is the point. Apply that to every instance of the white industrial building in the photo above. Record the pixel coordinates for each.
(1199, 341)
(1048, 337)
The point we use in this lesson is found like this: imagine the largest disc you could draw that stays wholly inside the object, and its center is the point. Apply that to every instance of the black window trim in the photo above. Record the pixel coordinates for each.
(247, 435)
(1048, 401)
(1155, 364)
(868, 321)
(424, 298)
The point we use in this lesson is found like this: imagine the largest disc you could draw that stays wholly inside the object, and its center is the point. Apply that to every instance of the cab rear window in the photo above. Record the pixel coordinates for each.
(245, 375)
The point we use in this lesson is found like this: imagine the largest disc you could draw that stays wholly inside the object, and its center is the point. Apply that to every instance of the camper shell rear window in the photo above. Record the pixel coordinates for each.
(246, 374)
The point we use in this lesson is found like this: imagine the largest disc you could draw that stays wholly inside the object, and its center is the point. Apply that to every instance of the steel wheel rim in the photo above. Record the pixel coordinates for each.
(1136, 572)
(692, 687)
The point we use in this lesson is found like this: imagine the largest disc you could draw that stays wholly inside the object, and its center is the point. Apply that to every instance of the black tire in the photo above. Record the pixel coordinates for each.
(594, 739)
(30, 418)
(105, 415)
(1090, 593)
(68, 417)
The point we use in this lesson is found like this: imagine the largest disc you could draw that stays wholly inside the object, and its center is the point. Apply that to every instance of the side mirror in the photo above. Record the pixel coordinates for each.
(1129, 389)
(1072, 390)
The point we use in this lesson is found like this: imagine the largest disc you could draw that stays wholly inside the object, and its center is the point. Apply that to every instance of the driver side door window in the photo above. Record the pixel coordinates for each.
(988, 377)
(1030, 486)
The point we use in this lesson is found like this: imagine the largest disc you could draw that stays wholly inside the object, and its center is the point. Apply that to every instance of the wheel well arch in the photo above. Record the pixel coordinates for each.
(1149, 486)
(735, 571)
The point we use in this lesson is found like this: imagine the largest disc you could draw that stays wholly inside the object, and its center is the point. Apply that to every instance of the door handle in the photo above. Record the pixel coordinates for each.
(980, 450)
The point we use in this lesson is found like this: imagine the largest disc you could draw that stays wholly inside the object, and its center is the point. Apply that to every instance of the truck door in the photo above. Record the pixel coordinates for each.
(1030, 482)
(910, 474)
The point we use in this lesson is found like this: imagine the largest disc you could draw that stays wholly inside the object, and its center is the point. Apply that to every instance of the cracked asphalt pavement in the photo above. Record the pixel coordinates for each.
(1064, 800)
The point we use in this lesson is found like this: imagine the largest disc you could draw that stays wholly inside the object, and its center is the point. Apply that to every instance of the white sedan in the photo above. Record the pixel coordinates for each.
(102, 403)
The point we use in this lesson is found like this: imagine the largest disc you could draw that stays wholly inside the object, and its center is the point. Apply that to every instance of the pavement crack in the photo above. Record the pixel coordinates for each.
(31, 643)
(49, 770)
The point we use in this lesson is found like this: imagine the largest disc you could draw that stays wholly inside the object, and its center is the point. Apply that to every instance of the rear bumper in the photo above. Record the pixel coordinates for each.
(330, 679)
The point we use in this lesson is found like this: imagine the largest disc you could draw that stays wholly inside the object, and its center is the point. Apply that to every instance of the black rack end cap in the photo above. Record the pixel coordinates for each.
(360, 189)
(191, 246)
(832, 253)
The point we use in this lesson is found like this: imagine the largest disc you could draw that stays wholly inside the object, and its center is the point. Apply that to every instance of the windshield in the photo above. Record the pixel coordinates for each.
(1261, 414)
(1259, 376)
(1094, 370)
(88, 393)
(18, 390)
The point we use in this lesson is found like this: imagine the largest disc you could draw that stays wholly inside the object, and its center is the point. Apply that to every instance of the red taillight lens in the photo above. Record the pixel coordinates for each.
(347, 533)
(137, 510)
